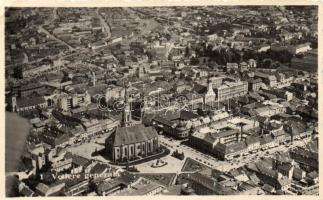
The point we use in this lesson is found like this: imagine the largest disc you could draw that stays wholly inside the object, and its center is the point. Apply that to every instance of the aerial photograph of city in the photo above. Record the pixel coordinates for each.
(177, 100)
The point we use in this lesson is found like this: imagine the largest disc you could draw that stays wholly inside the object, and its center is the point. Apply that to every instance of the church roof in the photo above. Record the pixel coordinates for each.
(133, 134)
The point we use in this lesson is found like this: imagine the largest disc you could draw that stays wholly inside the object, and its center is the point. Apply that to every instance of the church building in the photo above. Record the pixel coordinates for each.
(210, 94)
(131, 141)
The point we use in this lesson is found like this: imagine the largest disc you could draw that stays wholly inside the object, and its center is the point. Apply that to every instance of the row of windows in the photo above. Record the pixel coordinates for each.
(149, 148)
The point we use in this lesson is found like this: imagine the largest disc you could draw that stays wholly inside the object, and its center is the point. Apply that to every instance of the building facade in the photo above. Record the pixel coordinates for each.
(229, 90)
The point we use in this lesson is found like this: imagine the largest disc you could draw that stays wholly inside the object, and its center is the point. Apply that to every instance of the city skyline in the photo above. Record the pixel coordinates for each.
(128, 101)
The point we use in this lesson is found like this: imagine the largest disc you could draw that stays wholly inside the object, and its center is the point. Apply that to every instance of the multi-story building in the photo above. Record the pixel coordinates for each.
(29, 89)
(206, 138)
(232, 66)
(216, 81)
(55, 137)
(63, 164)
(230, 90)
(68, 102)
(92, 126)
(27, 104)
(38, 158)
(293, 49)
(181, 126)
(143, 187)
(255, 84)
(270, 110)
(268, 79)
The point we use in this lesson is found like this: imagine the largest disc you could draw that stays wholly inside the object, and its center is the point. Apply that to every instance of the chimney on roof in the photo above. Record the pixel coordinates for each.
(239, 135)
(108, 95)
(14, 103)
(93, 79)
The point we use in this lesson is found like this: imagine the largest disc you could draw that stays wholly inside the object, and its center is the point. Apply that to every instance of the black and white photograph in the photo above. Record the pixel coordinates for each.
(164, 100)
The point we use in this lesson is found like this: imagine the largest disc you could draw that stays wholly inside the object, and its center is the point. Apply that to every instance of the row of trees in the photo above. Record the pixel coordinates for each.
(223, 56)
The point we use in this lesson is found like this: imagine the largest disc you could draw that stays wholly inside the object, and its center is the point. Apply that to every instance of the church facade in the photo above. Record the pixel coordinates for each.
(132, 143)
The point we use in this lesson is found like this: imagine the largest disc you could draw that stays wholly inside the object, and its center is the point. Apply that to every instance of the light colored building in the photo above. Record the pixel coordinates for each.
(270, 110)
(301, 48)
(68, 102)
(92, 126)
(229, 90)
(143, 187)
(47, 190)
(210, 94)
(232, 66)
(268, 79)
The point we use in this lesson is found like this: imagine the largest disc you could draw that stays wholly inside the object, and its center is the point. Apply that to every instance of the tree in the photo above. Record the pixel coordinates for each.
(187, 51)
(267, 63)
(300, 56)
(284, 56)
(194, 61)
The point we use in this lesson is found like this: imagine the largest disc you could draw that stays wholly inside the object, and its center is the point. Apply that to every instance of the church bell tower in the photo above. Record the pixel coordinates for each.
(126, 114)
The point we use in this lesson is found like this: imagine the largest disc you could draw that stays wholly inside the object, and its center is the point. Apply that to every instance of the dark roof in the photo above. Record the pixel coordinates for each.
(296, 127)
(306, 157)
(313, 175)
(165, 121)
(235, 147)
(257, 80)
(24, 102)
(252, 140)
(266, 139)
(98, 168)
(164, 179)
(31, 86)
(70, 182)
(123, 180)
(227, 133)
(210, 184)
(235, 172)
(285, 167)
(283, 157)
(210, 137)
(297, 173)
(133, 134)
(254, 178)
(26, 192)
(79, 160)
(266, 171)
(199, 88)
(244, 186)
(187, 115)
(106, 186)
(268, 188)
(268, 162)
(312, 146)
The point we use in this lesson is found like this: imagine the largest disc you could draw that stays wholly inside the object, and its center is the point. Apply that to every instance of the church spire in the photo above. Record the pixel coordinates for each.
(126, 114)
(209, 83)
(209, 95)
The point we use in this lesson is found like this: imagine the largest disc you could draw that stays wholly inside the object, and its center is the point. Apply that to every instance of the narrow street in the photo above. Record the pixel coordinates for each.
(42, 29)
(105, 26)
